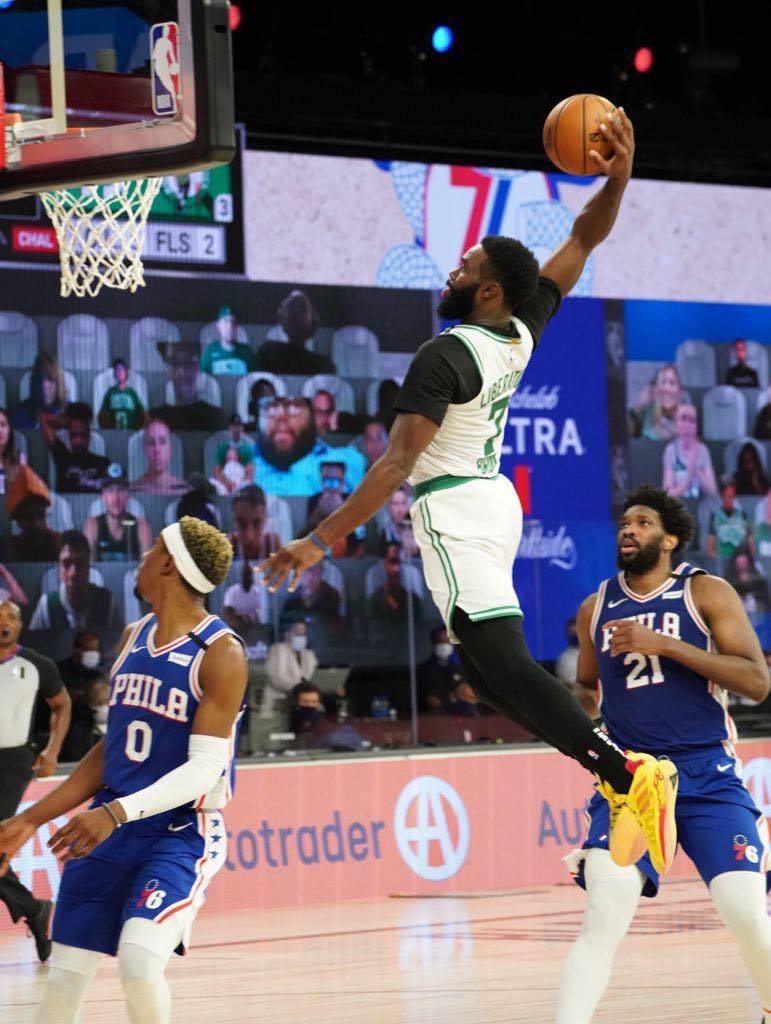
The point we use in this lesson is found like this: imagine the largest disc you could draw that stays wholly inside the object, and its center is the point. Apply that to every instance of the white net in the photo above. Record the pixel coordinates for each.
(101, 234)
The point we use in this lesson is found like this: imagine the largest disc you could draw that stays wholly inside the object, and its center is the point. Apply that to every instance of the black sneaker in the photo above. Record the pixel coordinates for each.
(38, 928)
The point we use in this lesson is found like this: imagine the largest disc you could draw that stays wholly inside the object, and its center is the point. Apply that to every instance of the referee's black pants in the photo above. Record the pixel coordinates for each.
(15, 774)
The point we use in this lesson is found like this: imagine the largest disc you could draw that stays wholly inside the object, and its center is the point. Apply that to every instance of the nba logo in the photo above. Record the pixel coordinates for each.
(164, 61)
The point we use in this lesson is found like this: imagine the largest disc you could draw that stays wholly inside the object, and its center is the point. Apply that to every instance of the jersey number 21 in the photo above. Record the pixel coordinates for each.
(644, 670)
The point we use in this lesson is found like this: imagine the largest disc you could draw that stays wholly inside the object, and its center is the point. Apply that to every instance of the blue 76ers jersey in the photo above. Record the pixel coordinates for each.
(154, 695)
(655, 704)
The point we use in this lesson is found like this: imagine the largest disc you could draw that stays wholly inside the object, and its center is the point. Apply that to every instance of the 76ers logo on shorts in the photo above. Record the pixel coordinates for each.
(164, 61)
(147, 892)
(742, 849)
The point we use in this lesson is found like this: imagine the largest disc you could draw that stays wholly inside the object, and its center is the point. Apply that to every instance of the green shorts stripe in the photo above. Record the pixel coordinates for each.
(496, 613)
(444, 561)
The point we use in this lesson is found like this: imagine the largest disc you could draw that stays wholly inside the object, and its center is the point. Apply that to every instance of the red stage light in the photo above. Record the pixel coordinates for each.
(643, 60)
(235, 17)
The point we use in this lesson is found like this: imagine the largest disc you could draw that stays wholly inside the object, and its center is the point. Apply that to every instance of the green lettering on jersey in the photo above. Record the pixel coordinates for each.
(508, 383)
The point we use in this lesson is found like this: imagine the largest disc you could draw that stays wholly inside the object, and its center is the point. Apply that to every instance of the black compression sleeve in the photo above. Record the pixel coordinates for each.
(512, 682)
(442, 372)
(540, 308)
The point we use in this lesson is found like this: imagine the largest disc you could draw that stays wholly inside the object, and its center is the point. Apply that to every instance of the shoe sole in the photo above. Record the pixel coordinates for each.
(663, 791)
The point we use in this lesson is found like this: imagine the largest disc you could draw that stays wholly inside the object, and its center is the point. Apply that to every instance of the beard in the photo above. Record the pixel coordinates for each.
(458, 303)
(283, 458)
(642, 561)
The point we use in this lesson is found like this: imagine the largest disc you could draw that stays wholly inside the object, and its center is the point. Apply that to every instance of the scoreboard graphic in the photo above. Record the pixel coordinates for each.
(196, 222)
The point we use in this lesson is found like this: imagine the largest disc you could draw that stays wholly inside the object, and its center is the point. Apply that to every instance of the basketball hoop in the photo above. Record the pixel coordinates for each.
(101, 234)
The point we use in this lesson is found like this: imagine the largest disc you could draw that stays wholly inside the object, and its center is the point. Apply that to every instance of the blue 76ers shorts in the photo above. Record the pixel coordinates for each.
(153, 869)
(719, 825)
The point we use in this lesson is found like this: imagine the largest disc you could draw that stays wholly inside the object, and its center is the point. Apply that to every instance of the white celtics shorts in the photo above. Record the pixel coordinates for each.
(468, 536)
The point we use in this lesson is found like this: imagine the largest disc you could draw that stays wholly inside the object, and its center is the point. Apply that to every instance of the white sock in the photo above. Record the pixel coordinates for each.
(148, 998)
(68, 978)
(612, 896)
(740, 900)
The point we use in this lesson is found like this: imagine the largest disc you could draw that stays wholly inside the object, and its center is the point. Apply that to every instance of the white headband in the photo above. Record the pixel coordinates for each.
(188, 570)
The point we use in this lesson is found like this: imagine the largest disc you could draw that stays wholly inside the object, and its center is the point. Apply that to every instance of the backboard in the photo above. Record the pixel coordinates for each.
(101, 90)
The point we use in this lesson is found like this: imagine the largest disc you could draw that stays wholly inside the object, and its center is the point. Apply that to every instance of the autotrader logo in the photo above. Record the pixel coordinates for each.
(431, 828)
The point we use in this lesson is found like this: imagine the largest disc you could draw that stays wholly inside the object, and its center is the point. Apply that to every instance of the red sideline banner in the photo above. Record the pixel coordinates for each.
(352, 829)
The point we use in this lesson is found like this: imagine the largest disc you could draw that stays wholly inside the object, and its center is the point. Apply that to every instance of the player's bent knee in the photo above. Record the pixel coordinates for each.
(740, 900)
(160, 938)
(78, 961)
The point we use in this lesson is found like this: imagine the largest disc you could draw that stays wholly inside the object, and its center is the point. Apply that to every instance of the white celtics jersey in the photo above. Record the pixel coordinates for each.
(469, 441)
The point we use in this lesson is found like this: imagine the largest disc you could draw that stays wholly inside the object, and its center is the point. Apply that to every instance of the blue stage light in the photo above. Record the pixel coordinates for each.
(442, 38)
(4, 4)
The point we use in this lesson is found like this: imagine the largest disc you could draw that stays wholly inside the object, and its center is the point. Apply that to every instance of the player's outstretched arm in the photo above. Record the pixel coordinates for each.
(587, 670)
(738, 665)
(222, 677)
(78, 787)
(410, 435)
(595, 221)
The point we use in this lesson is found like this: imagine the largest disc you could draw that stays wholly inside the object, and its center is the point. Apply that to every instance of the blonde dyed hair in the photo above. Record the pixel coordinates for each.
(209, 548)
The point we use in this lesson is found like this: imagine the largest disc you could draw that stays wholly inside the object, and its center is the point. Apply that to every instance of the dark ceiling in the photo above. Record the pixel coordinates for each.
(363, 78)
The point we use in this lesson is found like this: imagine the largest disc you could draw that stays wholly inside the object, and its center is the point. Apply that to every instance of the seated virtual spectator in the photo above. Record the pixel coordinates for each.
(78, 470)
(654, 412)
(188, 411)
(388, 604)
(729, 527)
(386, 395)
(157, 478)
(306, 712)
(117, 535)
(749, 583)
(10, 589)
(83, 665)
(688, 471)
(89, 721)
(77, 603)
(331, 497)
(27, 502)
(316, 602)
(741, 374)
(9, 454)
(299, 320)
(249, 538)
(463, 701)
(122, 408)
(762, 532)
(325, 413)
(234, 459)
(398, 513)
(47, 393)
(750, 477)
(227, 355)
(289, 662)
(375, 441)
(566, 665)
(436, 675)
(245, 608)
(289, 455)
(261, 388)
(199, 501)
(762, 431)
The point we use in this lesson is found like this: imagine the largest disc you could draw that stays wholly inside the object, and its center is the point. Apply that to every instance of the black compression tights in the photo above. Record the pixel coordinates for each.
(505, 676)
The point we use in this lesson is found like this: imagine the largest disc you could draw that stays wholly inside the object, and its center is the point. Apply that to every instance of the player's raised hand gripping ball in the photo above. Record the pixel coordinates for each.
(573, 130)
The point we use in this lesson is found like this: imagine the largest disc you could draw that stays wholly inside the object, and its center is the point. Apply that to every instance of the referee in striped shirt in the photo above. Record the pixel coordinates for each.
(23, 675)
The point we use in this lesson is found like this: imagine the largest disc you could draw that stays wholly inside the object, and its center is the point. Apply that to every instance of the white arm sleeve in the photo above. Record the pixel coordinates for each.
(207, 758)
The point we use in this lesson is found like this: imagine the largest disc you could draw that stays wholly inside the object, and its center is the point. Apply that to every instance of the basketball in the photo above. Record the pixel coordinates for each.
(572, 130)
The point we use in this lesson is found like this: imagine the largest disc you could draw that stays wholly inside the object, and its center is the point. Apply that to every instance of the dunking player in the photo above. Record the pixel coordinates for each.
(658, 651)
(467, 518)
(139, 860)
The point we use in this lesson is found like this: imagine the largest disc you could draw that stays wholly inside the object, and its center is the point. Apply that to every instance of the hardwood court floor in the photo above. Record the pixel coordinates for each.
(488, 960)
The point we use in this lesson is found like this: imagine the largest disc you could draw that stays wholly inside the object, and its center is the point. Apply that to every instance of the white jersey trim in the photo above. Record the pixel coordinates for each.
(129, 644)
